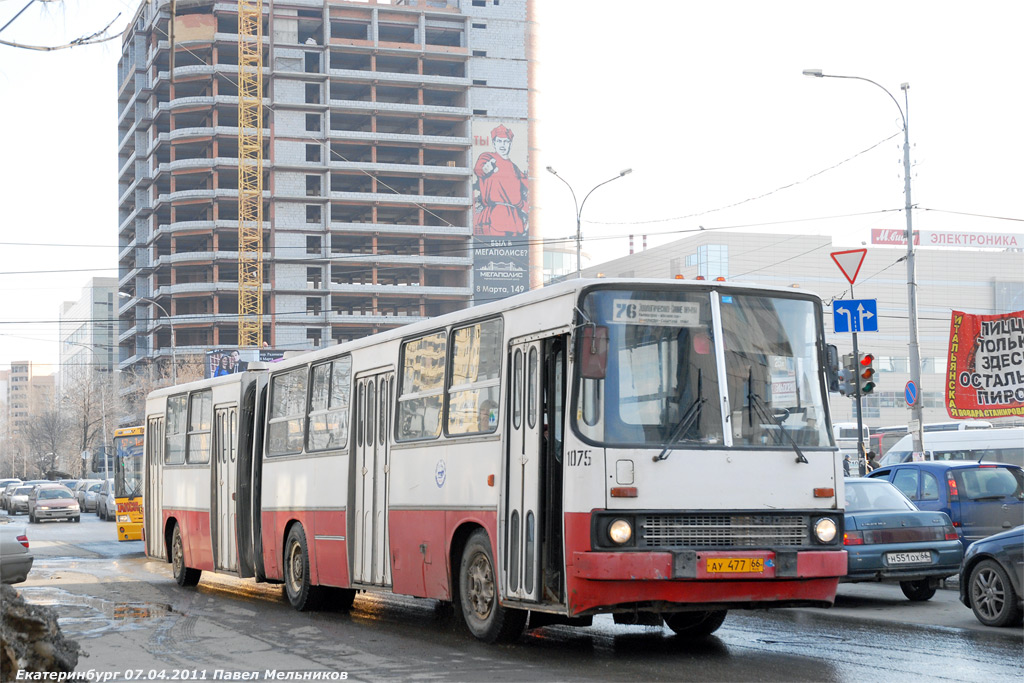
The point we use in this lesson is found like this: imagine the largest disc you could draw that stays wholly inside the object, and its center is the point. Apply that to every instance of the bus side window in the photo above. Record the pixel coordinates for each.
(421, 394)
(287, 412)
(177, 428)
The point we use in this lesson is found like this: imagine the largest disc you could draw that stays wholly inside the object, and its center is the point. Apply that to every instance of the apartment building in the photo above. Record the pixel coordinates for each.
(375, 119)
(87, 332)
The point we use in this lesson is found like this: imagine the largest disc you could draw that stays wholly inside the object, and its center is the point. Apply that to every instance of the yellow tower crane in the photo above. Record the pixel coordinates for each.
(250, 173)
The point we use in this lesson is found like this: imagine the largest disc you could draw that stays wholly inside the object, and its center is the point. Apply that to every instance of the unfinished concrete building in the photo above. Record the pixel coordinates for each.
(367, 116)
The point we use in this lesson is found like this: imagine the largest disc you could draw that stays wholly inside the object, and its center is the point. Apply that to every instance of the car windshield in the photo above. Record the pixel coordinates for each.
(94, 488)
(662, 385)
(868, 495)
(23, 491)
(52, 494)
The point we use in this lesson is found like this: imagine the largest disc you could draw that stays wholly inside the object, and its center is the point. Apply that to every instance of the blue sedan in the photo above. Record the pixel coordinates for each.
(992, 578)
(888, 539)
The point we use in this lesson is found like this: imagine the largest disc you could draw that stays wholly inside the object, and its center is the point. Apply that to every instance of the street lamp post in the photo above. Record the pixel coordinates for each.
(916, 410)
(170, 321)
(579, 208)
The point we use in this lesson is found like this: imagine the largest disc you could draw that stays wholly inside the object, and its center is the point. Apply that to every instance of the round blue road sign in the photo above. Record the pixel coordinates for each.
(910, 393)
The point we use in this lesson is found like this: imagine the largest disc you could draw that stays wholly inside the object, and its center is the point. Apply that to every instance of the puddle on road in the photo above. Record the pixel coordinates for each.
(85, 616)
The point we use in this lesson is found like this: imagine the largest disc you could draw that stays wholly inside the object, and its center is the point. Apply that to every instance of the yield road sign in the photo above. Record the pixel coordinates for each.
(849, 262)
(855, 315)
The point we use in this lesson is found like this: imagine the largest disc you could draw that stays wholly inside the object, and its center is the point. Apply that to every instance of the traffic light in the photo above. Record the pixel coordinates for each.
(848, 375)
(866, 373)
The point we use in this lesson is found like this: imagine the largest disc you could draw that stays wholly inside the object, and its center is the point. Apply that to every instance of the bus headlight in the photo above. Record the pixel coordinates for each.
(825, 530)
(620, 531)
(123, 519)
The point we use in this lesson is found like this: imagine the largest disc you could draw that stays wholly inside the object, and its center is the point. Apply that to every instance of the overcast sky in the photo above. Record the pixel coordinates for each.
(705, 101)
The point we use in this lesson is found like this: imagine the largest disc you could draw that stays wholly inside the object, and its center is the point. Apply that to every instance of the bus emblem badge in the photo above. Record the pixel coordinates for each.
(440, 473)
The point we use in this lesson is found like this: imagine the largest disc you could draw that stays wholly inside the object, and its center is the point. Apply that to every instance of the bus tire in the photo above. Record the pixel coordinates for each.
(301, 593)
(184, 576)
(695, 624)
(485, 617)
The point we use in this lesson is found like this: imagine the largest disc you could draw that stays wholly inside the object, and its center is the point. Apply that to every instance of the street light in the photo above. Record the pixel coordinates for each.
(916, 410)
(579, 208)
(170, 321)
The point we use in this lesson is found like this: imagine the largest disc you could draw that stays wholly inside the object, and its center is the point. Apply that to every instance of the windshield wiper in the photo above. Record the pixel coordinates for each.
(754, 401)
(686, 421)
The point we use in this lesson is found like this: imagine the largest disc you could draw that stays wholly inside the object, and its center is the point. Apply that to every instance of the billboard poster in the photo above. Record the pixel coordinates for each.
(228, 361)
(501, 210)
(985, 375)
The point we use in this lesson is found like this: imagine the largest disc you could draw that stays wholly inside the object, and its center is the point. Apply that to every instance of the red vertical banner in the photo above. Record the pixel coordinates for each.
(985, 372)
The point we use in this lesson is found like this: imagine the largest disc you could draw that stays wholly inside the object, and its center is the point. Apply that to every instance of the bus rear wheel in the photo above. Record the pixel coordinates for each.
(185, 576)
(695, 624)
(301, 593)
(478, 595)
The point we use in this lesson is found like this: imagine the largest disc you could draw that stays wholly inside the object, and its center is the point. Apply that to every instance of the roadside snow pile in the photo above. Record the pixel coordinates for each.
(30, 639)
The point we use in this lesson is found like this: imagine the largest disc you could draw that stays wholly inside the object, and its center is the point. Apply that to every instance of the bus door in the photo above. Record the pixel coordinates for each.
(225, 483)
(374, 394)
(534, 423)
(153, 501)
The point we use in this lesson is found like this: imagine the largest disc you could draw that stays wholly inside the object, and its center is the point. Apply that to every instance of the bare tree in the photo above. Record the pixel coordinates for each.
(87, 39)
(136, 385)
(47, 437)
(92, 407)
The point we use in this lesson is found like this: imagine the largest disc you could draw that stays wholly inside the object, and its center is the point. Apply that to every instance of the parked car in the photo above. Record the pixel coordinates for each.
(106, 508)
(991, 578)
(17, 501)
(15, 557)
(82, 490)
(69, 483)
(7, 490)
(982, 498)
(887, 538)
(52, 501)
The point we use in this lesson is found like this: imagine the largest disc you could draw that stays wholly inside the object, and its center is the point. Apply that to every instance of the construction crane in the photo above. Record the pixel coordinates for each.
(250, 173)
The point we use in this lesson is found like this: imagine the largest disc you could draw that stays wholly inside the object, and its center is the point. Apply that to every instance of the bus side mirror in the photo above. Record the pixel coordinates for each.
(594, 352)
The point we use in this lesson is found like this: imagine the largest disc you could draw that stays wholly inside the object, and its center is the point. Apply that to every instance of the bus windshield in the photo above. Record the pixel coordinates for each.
(662, 387)
(128, 466)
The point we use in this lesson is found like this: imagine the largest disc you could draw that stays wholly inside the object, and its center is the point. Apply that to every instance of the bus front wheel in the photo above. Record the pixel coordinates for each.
(478, 595)
(185, 576)
(301, 593)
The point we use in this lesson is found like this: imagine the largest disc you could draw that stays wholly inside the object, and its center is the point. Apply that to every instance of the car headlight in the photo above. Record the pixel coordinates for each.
(620, 531)
(43, 507)
(825, 530)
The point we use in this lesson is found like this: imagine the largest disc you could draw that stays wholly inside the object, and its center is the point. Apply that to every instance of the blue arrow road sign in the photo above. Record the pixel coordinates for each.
(910, 393)
(855, 315)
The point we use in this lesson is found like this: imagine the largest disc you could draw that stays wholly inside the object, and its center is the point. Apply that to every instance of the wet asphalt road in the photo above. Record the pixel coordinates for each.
(134, 623)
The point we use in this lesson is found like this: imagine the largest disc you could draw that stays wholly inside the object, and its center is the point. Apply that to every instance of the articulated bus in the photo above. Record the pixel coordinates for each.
(128, 449)
(657, 450)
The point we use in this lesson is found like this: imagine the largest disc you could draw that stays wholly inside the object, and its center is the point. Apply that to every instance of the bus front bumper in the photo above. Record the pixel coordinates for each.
(708, 565)
(693, 580)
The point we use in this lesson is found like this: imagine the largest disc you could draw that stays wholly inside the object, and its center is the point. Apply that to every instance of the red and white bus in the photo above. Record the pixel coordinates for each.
(658, 450)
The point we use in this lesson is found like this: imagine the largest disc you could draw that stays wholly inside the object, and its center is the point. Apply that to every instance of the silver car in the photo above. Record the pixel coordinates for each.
(52, 501)
(8, 489)
(17, 501)
(15, 557)
(85, 493)
(106, 507)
